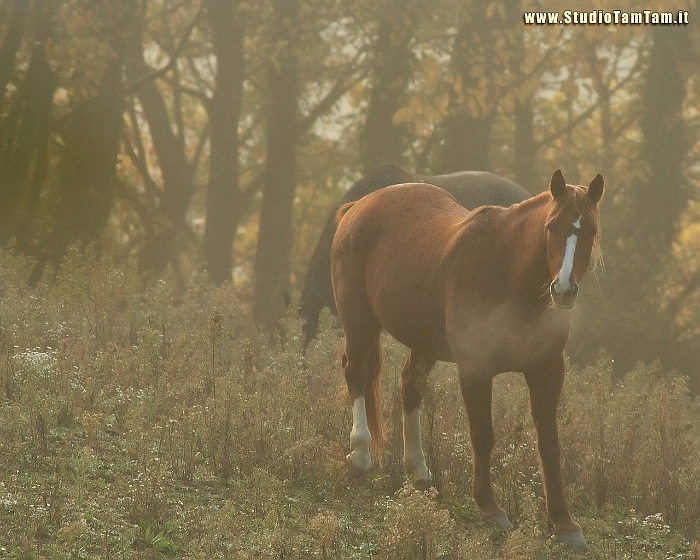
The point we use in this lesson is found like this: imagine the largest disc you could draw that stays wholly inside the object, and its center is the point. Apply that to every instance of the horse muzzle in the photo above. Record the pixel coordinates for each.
(563, 299)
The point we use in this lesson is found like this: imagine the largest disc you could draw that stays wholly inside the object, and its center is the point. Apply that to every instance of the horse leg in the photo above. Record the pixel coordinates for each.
(413, 379)
(545, 388)
(361, 353)
(477, 399)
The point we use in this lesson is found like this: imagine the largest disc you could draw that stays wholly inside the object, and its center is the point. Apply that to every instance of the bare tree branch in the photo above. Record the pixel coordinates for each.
(591, 109)
(156, 73)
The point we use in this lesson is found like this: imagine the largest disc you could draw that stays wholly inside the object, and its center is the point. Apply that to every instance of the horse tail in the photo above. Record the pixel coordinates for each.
(373, 401)
(342, 211)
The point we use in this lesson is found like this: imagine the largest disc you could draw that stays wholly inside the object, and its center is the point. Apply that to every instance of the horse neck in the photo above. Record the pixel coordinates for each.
(526, 243)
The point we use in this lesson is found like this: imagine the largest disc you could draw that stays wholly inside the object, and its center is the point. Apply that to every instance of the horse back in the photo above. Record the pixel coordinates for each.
(386, 220)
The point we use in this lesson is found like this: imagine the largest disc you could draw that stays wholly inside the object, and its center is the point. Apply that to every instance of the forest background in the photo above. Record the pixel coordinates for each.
(218, 134)
(176, 137)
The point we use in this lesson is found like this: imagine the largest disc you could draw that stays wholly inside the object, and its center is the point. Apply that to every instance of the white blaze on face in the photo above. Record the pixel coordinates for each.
(563, 283)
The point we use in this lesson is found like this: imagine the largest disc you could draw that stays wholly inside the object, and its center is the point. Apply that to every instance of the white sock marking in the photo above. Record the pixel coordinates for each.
(413, 456)
(360, 437)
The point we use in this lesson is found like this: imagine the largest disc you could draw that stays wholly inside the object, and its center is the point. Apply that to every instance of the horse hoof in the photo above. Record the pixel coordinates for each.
(423, 484)
(501, 521)
(357, 474)
(573, 539)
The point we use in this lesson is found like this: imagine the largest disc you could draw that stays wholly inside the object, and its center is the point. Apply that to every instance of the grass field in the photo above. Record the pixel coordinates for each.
(159, 423)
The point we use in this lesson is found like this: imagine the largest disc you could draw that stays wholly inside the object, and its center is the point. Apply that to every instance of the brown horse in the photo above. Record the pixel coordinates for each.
(489, 289)
(470, 188)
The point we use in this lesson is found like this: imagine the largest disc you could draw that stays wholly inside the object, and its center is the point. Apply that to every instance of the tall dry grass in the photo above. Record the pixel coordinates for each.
(157, 421)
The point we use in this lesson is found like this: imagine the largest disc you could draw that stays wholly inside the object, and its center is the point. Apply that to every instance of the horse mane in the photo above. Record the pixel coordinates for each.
(478, 212)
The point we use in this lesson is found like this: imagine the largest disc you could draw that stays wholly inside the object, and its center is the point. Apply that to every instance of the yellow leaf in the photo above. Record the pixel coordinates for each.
(496, 7)
(404, 114)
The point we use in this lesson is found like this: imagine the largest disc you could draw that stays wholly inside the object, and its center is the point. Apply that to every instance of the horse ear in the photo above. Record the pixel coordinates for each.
(595, 189)
(557, 185)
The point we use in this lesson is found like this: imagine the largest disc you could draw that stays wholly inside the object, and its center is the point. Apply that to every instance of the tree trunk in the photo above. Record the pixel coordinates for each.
(223, 192)
(474, 97)
(658, 200)
(467, 142)
(382, 141)
(468, 127)
(524, 146)
(177, 172)
(23, 140)
(87, 170)
(13, 38)
(662, 195)
(272, 260)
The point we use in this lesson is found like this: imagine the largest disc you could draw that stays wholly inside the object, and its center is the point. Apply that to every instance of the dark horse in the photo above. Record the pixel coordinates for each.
(470, 188)
(490, 290)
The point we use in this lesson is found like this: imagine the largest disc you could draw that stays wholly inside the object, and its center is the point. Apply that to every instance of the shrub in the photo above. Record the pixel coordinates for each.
(634, 444)
(416, 528)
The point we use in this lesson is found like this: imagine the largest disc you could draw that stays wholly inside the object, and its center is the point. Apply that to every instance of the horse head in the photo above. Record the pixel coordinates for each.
(572, 235)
